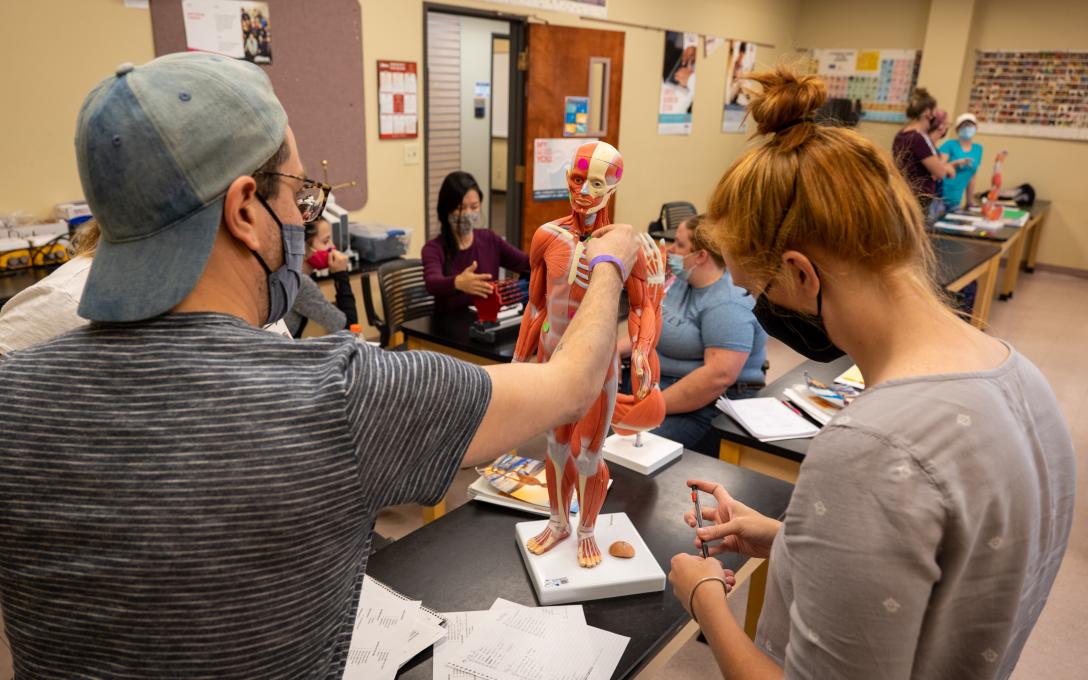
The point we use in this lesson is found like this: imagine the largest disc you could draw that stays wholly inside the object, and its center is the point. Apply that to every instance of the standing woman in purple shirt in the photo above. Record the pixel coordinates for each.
(913, 149)
(460, 263)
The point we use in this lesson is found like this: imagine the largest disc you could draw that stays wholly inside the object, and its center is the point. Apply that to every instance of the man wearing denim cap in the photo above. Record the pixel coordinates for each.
(183, 494)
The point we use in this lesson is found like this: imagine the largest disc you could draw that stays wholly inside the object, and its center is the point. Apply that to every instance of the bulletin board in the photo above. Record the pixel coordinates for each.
(1033, 94)
(881, 79)
(317, 72)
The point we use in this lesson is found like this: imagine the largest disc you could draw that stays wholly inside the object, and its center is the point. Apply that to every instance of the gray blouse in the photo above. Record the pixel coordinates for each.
(925, 531)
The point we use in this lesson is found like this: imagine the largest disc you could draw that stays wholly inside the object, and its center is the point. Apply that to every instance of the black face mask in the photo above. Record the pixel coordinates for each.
(803, 333)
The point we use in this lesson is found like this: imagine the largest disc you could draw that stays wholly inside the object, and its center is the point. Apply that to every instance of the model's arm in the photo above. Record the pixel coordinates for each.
(642, 322)
(536, 309)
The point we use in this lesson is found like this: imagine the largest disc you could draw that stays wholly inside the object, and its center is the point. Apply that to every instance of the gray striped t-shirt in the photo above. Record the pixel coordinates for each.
(192, 497)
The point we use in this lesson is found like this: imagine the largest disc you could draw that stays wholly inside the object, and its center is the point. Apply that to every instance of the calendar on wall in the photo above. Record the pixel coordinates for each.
(1033, 94)
(881, 79)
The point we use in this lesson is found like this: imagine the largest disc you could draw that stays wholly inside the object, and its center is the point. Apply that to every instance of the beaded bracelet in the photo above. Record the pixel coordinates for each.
(691, 600)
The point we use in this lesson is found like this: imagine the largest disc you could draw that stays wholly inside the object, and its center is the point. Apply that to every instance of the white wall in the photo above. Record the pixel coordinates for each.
(476, 67)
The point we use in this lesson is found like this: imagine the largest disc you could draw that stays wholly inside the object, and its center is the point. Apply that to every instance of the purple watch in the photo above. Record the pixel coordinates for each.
(612, 259)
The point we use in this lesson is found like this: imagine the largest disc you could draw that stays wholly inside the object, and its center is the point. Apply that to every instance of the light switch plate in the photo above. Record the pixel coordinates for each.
(411, 154)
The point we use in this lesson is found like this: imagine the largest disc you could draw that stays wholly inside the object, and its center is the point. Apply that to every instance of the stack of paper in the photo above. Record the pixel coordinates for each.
(389, 631)
(513, 642)
(767, 419)
(956, 226)
(816, 407)
(821, 401)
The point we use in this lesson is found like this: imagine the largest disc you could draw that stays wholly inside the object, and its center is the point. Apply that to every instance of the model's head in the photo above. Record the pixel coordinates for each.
(595, 172)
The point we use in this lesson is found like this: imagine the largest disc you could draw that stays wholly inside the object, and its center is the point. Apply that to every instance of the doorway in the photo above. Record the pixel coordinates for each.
(565, 63)
(481, 68)
(472, 113)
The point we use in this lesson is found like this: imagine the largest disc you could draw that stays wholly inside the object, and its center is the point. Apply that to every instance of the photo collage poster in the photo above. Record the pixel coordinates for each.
(1033, 94)
(241, 30)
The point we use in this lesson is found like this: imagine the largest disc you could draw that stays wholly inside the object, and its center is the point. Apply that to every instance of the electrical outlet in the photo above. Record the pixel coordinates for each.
(411, 154)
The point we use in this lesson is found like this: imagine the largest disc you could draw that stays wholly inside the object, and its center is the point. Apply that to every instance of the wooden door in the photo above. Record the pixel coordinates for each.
(559, 66)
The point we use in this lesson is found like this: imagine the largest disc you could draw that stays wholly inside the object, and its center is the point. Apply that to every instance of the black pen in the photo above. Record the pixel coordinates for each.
(698, 516)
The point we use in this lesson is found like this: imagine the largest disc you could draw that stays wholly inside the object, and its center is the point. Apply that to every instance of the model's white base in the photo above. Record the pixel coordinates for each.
(557, 578)
(655, 453)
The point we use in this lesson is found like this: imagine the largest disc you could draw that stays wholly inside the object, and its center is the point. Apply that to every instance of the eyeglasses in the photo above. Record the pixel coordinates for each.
(310, 198)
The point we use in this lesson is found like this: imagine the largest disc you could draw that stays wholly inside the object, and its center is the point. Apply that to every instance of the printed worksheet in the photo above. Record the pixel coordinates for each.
(511, 642)
(460, 625)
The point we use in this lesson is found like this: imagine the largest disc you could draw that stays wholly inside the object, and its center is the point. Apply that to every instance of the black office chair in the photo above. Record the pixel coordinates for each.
(672, 215)
(404, 297)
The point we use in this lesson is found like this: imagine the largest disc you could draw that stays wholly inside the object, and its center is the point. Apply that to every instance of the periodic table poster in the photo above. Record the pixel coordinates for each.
(1033, 94)
(881, 79)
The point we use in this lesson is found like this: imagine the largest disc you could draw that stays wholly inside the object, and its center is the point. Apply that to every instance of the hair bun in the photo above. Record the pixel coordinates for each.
(784, 99)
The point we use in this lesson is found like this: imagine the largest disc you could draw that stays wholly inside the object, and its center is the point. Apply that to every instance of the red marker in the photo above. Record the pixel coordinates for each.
(698, 515)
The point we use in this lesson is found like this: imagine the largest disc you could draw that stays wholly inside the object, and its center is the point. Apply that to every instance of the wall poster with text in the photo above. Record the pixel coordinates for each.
(677, 83)
(881, 79)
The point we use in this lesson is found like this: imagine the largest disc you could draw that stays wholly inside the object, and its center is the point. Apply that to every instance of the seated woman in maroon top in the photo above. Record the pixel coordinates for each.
(460, 263)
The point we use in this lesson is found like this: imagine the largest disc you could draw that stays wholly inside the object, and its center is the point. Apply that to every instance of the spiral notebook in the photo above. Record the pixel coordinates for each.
(390, 629)
(767, 419)
(371, 581)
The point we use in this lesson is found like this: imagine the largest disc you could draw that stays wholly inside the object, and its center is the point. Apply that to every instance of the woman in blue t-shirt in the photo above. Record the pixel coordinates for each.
(965, 156)
(710, 344)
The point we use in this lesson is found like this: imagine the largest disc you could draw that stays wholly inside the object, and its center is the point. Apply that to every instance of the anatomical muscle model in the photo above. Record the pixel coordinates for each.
(991, 209)
(558, 281)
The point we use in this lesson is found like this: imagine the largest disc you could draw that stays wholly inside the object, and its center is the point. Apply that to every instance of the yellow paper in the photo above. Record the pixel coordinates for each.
(868, 61)
(852, 377)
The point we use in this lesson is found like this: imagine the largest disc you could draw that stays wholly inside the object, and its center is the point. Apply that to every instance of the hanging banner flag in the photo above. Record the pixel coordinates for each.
(678, 83)
(742, 59)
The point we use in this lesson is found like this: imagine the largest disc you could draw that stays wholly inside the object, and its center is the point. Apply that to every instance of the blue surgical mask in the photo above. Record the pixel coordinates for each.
(967, 132)
(676, 266)
(283, 284)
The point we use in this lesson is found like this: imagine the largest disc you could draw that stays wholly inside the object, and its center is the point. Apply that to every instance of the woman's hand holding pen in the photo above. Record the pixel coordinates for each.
(739, 528)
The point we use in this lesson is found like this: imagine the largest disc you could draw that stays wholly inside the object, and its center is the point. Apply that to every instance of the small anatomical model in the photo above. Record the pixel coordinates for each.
(991, 209)
(559, 277)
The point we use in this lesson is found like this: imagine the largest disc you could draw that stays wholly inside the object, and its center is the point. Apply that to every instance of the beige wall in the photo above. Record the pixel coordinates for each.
(53, 53)
(658, 169)
(860, 24)
(1056, 168)
(96, 35)
(99, 34)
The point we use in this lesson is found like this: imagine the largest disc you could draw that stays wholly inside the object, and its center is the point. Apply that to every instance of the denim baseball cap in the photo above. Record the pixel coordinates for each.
(157, 146)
